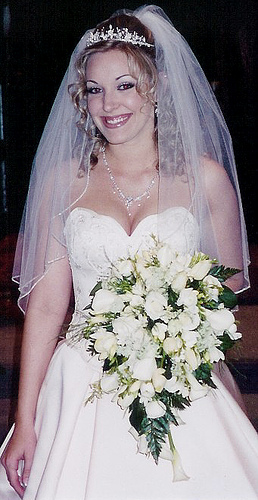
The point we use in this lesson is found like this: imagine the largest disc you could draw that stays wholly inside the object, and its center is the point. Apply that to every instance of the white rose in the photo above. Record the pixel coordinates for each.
(109, 383)
(179, 281)
(187, 297)
(220, 319)
(125, 325)
(105, 343)
(124, 267)
(147, 390)
(188, 321)
(158, 379)
(144, 368)
(199, 270)
(165, 255)
(159, 331)
(107, 301)
(155, 304)
(170, 345)
(155, 409)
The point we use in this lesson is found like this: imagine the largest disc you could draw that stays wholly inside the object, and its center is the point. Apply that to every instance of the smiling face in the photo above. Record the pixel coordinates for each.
(120, 113)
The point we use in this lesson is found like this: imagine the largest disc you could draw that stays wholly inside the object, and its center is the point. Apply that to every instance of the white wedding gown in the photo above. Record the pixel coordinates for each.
(86, 452)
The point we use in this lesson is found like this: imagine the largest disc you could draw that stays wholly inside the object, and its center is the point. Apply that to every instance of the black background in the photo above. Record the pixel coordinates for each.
(35, 51)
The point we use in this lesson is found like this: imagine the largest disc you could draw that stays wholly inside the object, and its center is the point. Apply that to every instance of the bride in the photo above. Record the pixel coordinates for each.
(135, 145)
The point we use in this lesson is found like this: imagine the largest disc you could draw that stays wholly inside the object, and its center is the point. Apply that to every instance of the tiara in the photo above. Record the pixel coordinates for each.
(117, 34)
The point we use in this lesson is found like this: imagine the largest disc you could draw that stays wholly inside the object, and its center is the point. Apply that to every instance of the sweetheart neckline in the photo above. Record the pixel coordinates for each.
(89, 210)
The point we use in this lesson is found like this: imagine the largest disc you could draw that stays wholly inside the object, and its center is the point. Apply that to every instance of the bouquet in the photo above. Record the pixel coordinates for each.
(158, 323)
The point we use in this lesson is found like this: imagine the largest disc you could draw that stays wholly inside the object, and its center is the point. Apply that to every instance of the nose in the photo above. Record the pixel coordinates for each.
(110, 101)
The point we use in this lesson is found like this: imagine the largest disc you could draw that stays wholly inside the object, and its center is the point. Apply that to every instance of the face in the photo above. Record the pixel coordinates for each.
(118, 111)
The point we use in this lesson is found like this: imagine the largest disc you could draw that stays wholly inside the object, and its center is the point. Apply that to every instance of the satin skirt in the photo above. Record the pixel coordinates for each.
(85, 452)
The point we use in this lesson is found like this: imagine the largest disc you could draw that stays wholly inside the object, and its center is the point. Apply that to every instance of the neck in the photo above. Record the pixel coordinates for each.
(124, 155)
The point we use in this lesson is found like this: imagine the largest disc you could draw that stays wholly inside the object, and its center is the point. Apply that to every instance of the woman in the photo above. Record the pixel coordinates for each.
(138, 150)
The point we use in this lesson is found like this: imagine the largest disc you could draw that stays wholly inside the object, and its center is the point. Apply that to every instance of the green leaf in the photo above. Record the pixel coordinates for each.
(203, 374)
(228, 297)
(97, 287)
(222, 273)
(137, 415)
(226, 342)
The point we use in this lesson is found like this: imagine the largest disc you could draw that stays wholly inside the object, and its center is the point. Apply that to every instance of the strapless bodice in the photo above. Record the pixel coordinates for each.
(94, 241)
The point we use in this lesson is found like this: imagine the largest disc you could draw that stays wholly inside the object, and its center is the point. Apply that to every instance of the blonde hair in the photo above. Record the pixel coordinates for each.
(141, 63)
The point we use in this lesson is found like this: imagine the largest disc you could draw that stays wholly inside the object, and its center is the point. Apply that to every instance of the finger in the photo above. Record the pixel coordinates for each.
(27, 468)
(15, 480)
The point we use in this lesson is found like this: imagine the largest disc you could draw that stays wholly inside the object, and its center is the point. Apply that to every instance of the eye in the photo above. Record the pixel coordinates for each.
(126, 86)
(93, 90)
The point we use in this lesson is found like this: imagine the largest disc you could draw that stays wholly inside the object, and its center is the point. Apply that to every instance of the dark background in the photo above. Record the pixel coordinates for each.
(37, 39)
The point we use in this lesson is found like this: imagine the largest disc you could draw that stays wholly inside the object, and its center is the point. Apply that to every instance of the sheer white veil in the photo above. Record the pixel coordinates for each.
(192, 135)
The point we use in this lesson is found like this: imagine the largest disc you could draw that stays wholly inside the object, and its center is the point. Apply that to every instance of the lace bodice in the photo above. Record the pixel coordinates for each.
(94, 241)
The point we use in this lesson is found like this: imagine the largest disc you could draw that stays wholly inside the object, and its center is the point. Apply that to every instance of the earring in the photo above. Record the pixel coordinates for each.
(156, 110)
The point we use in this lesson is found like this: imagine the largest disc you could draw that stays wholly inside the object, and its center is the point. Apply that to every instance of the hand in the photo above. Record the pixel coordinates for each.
(21, 447)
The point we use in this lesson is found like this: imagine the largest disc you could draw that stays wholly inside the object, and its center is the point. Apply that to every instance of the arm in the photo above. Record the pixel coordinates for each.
(224, 212)
(44, 318)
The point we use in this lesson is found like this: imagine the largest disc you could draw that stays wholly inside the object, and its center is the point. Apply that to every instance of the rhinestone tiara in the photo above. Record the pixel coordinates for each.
(117, 34)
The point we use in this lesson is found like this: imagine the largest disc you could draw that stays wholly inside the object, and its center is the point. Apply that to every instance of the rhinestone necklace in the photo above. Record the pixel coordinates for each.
(127, 200)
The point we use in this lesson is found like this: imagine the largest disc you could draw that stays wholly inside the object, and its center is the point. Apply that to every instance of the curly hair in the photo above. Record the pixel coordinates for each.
(141, 63)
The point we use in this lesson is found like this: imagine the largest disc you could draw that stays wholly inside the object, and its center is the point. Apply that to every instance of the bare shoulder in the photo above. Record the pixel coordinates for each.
(216, 179)
(213, 172)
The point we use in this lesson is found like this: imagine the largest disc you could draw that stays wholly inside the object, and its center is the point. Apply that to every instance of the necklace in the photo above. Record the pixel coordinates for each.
(127, 200)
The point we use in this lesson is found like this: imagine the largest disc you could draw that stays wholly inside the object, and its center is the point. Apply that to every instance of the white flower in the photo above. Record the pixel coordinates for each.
(125, 325)
(220, 319)
(179, 281)
(189, 337)
(187, 297)
(188, 321)
(158, 379)
(176, 385)
(199, 270)
(155, 409)
(159, 331)
(192, 359)
(134, 388)
(109, 383)
(165, 255)
(147, 390)
(197, 390)
(214, 354)
(155, 304)
(170, 345)
(125, 401)
(105, 343)
(142, 445)
(136, 300)
(144, 368)
(124, 267)
(107, 301)
(174, 326)
(213, 287)
(178, 471)
(233, 333)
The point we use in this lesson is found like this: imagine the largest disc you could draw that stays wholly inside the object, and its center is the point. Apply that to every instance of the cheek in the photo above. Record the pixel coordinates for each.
(93, 106)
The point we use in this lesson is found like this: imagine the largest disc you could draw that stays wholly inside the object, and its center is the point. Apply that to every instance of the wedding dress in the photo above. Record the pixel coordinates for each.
(85, 452)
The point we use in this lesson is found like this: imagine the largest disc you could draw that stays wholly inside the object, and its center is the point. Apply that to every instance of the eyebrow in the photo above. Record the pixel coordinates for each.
(118, 78)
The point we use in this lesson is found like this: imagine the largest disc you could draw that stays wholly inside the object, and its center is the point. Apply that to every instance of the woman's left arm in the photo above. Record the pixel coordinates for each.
(225, 217)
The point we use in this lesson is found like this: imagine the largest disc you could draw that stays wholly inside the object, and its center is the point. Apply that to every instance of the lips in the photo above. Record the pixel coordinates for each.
(115, 121)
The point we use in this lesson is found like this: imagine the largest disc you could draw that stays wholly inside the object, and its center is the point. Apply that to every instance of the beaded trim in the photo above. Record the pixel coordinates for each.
(117, 34)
